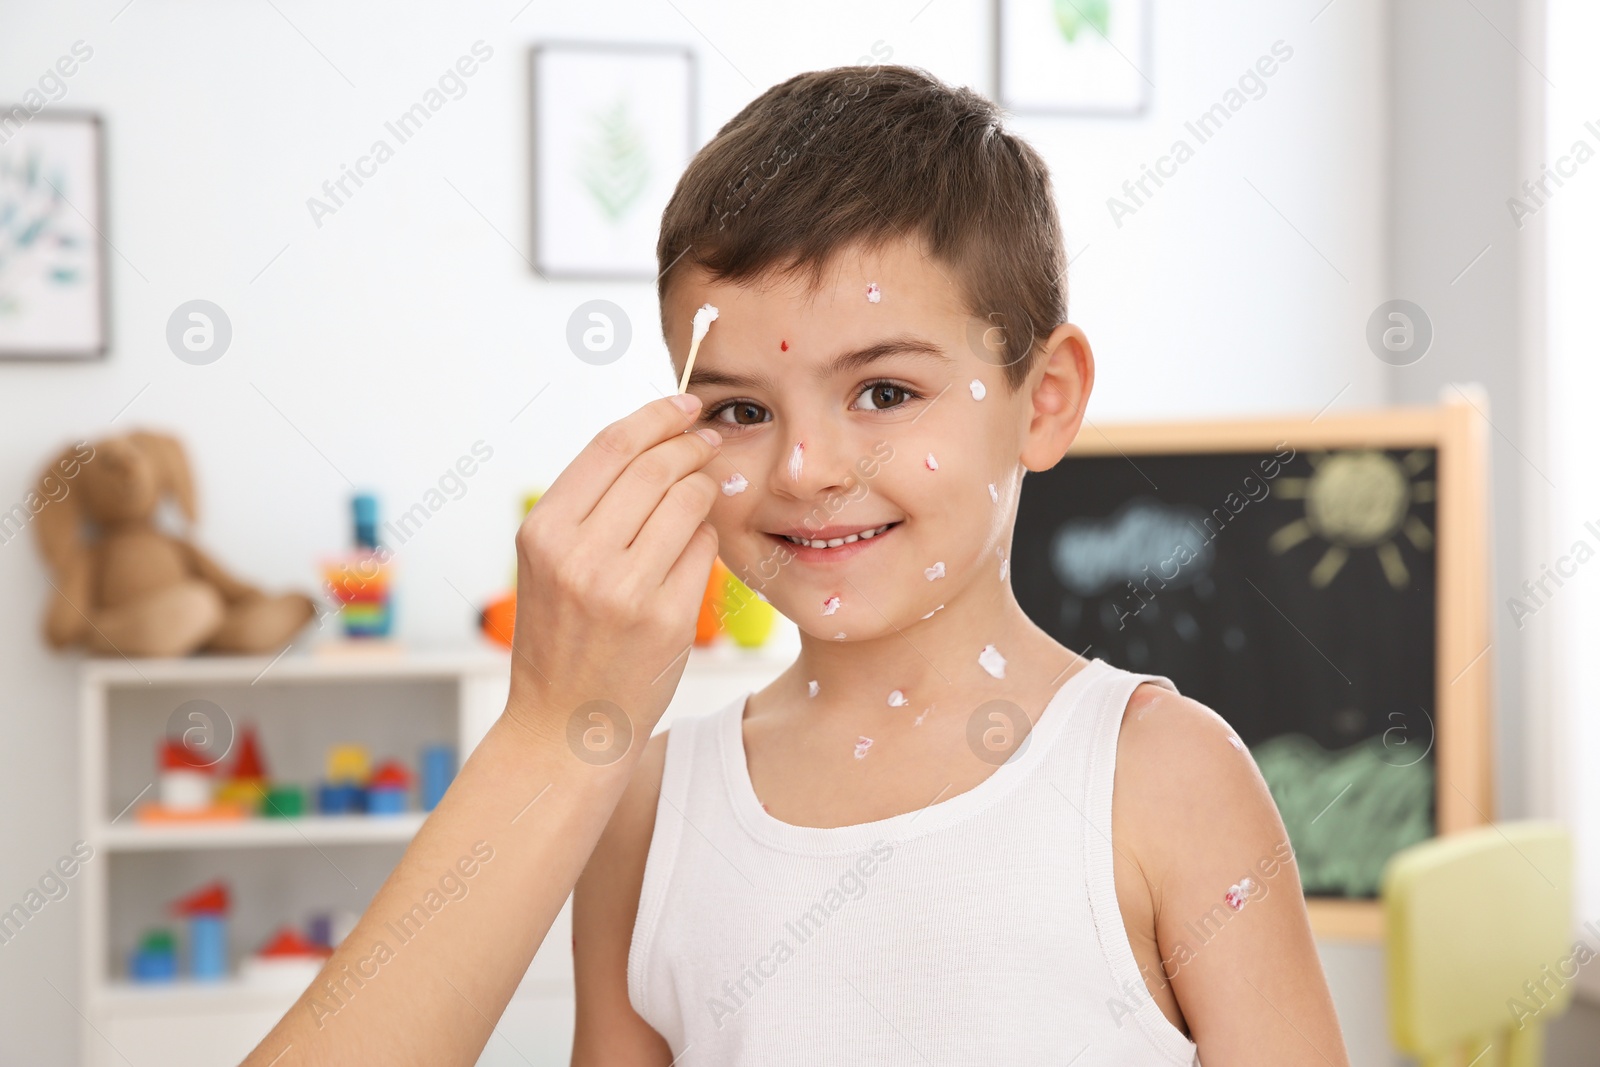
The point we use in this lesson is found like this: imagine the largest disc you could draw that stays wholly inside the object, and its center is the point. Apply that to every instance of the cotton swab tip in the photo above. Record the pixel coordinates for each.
(702, 321)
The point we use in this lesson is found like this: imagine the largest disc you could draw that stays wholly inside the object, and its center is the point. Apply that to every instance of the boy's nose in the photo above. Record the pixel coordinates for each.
(806, 467)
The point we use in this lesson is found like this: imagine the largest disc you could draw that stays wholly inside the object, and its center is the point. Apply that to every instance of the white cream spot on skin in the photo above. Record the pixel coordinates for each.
(874, 294)
(933, 572)
(929, 615)
(830, 605)
(992, 661)
(735, 485)
(918, 720)
(931, 463)
(1235, 742)
(796, 458)
(994, 495)
(839, 636)
(1238, 894)
(978, 391)
(812, 687)
(1005, 564)
(862, 744)
(897, 699)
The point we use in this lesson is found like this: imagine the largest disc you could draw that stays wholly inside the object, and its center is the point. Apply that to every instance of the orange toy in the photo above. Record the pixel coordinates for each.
(707, 626)
(499, 618)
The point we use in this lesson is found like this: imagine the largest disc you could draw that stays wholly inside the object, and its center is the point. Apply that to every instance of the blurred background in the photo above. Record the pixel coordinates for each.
(404, 255)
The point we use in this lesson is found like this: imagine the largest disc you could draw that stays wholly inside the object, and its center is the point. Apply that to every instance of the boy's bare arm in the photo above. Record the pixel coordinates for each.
(609, 1033)
(615, 556)
(1196, 817)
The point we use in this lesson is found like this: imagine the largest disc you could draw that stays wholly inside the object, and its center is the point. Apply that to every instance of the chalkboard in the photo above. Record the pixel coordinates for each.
(1292, 590)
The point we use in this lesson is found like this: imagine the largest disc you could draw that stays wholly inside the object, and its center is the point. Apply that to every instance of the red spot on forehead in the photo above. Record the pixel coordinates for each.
(783, 346)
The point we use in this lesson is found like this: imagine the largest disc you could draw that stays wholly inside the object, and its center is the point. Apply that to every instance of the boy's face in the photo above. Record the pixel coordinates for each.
(829, 449)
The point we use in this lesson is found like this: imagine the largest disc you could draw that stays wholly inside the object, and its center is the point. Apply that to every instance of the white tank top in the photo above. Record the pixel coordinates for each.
(983, 929)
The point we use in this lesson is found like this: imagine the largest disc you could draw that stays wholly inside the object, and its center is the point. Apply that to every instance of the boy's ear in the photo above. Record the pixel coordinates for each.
(1064, 379)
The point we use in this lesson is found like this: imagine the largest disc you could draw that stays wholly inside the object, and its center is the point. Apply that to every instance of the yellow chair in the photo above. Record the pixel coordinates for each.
(1479, 944)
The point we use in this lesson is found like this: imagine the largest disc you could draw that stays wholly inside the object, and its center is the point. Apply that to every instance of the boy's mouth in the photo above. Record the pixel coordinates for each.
(833, 543)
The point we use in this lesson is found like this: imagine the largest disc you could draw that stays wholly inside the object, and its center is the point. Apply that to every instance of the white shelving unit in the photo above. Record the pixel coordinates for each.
(280, 870)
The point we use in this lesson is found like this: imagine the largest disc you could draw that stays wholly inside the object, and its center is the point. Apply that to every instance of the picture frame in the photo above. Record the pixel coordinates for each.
(1073, 57)
(612, 127)
(54, 281)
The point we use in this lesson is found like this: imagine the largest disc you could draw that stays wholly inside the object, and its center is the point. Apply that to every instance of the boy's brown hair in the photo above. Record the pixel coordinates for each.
(868, 154)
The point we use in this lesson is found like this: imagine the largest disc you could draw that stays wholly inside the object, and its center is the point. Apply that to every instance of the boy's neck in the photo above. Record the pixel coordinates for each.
(935, 660)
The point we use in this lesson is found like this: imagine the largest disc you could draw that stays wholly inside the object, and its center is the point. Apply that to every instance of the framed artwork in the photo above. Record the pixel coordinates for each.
(1072, 57)
(612, 130)
(53, 302)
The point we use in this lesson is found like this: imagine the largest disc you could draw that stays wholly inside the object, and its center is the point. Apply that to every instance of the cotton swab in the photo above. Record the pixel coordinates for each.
(702, 323)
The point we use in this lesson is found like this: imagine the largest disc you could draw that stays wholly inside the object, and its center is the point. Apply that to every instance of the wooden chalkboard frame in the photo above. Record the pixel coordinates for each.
(1457, 429)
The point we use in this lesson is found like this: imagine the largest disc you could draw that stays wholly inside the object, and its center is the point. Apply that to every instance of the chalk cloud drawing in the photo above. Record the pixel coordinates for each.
(1091, 556)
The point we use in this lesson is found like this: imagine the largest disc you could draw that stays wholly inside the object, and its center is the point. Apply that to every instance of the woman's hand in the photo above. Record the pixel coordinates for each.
(612, 564)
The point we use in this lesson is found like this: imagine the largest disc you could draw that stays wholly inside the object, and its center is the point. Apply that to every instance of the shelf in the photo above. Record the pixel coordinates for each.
(188, 997)
(310, 666)
(261, 833)
(297, 666)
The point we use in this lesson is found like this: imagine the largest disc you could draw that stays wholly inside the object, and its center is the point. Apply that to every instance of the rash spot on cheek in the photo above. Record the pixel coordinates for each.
(783, 346)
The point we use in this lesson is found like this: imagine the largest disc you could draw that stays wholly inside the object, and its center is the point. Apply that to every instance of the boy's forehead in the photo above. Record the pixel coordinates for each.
(896, 284)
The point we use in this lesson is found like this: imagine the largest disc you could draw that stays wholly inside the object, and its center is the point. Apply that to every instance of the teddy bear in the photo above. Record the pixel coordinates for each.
(121, 585)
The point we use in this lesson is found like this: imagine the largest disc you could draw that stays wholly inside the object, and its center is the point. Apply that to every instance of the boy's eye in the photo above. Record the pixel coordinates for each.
(735, 414)
(886, 395)
(745, 413)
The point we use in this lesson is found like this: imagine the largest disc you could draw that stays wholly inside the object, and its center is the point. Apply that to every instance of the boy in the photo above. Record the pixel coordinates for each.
(911, 847)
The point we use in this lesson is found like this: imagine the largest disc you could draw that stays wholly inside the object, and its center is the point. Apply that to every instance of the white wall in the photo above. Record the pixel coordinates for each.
(379, 347)
(1568, 623)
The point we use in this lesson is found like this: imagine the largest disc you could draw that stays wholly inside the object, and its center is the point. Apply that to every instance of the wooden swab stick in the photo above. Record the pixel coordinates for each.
(702, 323)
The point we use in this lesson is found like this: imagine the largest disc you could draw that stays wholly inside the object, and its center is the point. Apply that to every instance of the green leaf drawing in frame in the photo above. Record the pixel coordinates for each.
(614, 166)
(1074, 15)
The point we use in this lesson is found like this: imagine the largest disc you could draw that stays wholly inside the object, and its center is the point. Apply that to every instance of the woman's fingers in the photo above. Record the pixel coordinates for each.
(643, 487)
(586, 480)
(668, 528)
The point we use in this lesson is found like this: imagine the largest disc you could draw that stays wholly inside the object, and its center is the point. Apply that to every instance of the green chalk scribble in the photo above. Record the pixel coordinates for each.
(1342, 844)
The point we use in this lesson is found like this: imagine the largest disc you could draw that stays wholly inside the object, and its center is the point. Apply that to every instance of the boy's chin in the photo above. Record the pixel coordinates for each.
(843, 628)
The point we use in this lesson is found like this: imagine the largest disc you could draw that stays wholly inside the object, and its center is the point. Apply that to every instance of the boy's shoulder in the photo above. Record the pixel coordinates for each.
(1176, 754)
(1188, 798)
